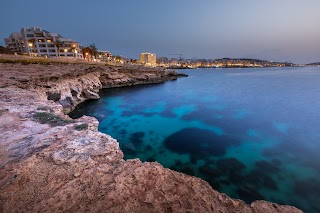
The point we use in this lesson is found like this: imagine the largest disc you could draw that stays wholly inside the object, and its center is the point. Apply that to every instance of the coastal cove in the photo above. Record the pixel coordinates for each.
(251, 133)
(51, 163)
(160, 107)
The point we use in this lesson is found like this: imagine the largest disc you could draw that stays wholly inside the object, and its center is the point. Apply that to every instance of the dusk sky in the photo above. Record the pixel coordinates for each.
(278, 30)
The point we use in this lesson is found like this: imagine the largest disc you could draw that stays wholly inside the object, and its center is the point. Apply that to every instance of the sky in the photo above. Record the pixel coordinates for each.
(276, 30)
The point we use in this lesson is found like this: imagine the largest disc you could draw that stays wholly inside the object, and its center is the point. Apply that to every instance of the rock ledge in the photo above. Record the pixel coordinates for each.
(49, 163)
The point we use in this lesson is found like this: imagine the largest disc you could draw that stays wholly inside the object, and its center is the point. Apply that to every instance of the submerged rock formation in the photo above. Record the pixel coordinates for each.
(51, 163)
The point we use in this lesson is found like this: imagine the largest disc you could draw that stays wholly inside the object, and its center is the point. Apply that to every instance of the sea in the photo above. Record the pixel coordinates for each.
(251, 133)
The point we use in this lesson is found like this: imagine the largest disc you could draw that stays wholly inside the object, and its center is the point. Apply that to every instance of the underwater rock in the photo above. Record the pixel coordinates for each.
(195, 141)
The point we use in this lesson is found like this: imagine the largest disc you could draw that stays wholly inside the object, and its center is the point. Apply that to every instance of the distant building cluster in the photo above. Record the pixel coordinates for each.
(35, 41)
(149, 59)
(218, 63)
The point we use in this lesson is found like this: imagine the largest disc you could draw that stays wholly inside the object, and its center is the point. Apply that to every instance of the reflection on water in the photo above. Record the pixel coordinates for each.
(251, 133)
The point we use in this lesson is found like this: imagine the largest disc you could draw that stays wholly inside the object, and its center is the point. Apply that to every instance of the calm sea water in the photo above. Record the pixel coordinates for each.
(251, 133)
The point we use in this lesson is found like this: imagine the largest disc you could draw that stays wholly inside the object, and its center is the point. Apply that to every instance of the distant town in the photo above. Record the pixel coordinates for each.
(38, 42)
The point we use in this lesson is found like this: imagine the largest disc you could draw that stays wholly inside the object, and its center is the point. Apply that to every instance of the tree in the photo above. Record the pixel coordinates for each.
(87, 52)
(73, 49)
(58, 44)
(94, 50)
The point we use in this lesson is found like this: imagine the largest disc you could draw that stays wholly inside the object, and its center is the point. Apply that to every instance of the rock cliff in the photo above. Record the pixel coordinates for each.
(51, 163)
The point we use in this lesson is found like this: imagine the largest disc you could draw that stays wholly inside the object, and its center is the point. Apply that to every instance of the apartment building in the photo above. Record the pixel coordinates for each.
(14, 42)
(38, 42)
(104, 56)
(149, 59)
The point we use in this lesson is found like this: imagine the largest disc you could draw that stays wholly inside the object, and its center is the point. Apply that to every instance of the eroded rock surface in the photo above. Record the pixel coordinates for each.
(62, 168)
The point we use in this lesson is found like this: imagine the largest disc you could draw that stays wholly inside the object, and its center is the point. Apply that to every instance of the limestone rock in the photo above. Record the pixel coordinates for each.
(47, 168)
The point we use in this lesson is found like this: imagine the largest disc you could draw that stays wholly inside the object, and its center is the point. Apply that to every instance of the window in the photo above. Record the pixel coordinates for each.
(42, 45)
(52, 51)
(50, 45)
(43, 50)
(29, 35)
(69, 54)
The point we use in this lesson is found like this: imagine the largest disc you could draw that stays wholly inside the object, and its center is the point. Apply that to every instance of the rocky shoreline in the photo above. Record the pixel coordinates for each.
(51, 163)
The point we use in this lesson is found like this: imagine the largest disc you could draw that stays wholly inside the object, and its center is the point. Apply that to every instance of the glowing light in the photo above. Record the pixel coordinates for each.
(65, 50)
(30, 44)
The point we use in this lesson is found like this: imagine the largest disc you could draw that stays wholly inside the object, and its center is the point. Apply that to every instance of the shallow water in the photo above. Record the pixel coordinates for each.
(251, 133)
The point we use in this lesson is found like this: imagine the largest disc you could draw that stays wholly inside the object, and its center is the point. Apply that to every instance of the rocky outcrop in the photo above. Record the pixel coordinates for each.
(51, 163)
(70, 89)
(130, 77)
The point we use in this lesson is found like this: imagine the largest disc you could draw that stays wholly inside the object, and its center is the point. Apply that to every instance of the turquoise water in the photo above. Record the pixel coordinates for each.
(251, 133)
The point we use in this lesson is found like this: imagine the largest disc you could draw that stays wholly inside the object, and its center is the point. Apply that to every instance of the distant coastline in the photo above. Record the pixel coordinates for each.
(226, 63)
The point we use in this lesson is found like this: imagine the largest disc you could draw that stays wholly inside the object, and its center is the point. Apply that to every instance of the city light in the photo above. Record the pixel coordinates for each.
(30, 44)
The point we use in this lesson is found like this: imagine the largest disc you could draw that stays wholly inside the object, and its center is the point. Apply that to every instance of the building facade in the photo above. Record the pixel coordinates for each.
(149, 59)
(14, 42)
(38, 42)
(104, 56)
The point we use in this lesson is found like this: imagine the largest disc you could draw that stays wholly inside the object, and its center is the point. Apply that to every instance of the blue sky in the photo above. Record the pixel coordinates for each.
(279, 30)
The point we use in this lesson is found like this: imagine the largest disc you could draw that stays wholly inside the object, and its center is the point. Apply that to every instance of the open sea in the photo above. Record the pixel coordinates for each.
(251, 133)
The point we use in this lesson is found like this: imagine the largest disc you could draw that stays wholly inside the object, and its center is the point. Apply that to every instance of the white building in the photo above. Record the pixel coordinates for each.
(104, 56)
(14, 42)
(38, 42)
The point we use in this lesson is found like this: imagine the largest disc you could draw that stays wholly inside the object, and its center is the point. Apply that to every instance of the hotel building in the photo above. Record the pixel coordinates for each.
(38, 42)
(149, 59)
